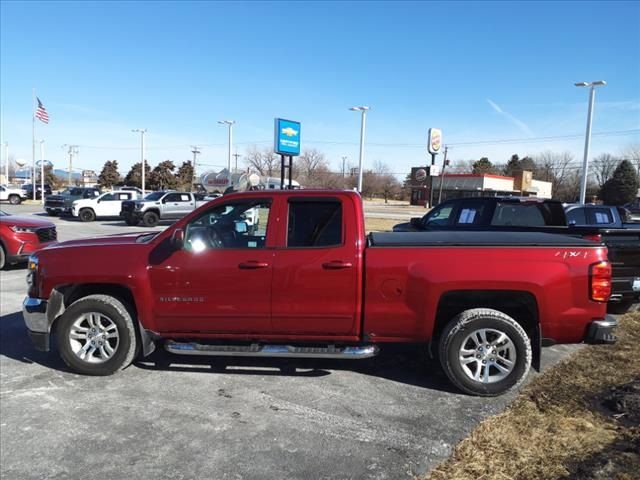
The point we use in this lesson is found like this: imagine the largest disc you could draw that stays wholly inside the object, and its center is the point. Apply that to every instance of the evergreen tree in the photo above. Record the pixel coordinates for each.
(185, 176)
(483, 165)
(134, 176)
(162, 177)
(622, 187)
(109, 175)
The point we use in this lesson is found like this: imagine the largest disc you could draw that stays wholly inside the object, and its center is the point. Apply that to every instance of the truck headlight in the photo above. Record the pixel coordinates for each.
(18, 229)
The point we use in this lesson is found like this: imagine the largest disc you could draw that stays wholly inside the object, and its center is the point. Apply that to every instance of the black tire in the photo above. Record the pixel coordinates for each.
(3, 257)
(125, 349)
(51, 213)
(131, 221)
(87, 215)
(460, 329)
(150, 219)
(15, 199)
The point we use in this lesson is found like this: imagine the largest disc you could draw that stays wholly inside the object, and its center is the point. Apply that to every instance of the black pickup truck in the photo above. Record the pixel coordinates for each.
(62, 203)
(542, 215)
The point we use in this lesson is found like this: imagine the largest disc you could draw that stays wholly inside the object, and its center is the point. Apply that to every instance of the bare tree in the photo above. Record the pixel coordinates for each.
(264, 161)
(602, 167)
(307, 165)
(556, 168)
(632, 153)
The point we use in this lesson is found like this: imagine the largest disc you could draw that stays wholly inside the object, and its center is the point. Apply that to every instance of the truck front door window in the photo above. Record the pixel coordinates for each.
(440, 216)
(236, 225)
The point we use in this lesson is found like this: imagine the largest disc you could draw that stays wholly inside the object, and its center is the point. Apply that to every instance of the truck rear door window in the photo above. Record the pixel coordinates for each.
(316, 223)
(522, 214)
(599, 216)
(471, 213)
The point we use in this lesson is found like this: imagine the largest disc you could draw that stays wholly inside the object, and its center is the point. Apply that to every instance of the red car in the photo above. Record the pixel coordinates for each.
(21, 236)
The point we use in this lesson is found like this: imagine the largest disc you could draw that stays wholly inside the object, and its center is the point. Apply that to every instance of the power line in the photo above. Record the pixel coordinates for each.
(378, 144)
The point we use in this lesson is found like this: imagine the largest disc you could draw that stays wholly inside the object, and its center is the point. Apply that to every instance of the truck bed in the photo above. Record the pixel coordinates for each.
(471, 239)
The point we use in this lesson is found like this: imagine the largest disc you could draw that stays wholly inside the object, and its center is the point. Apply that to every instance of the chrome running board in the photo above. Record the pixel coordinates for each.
(258, 350)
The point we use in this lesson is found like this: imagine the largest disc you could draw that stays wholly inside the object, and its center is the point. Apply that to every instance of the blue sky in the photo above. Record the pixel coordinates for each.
(479, 71)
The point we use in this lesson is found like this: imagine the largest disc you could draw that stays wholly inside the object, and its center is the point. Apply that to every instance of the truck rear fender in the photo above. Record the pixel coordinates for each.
(72, 293)
(519, 305)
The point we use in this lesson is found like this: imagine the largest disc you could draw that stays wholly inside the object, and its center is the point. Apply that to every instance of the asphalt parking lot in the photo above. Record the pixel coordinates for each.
(169, 417)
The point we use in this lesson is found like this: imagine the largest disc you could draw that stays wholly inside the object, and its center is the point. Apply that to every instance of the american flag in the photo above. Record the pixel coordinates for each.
(41, 112)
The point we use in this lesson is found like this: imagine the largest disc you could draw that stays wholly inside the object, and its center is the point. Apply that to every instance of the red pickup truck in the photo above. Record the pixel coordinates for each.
(309, 283)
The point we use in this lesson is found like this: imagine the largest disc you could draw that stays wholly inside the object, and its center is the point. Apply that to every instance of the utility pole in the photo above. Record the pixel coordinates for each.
(236, 156)
(444, 166)
(72, 150)
(344, 159)
(196, 152)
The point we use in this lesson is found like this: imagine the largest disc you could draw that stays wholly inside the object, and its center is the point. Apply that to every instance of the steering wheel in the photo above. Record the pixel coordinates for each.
(215, 238)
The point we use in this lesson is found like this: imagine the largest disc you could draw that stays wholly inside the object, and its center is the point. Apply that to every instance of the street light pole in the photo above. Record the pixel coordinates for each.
(363, 110)
(195, 151)
(6, 162)
(587, 140)
(142, 131)
(230, 124)
(41, 172)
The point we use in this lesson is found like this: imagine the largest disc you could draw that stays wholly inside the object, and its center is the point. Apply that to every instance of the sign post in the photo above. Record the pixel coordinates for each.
(286, 143)
(434, 144)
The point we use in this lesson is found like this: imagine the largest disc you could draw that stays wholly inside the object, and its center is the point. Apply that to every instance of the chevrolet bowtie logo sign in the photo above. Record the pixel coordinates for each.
(289, 132)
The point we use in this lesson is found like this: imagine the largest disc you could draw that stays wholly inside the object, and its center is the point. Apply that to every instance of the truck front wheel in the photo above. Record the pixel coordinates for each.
(87, 215)
(485, 352)
(15, 199)
(150, 219)
(96, 336)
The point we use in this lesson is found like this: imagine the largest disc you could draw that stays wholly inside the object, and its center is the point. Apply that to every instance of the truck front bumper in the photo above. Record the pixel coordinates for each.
(38, 317)
(601, 331)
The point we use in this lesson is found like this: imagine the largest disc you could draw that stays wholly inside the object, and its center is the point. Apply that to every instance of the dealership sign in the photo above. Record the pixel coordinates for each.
(287, 137)
(435, 141)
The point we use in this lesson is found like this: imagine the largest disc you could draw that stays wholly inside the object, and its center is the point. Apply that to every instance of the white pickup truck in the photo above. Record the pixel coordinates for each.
(11, 194)
(107, 204)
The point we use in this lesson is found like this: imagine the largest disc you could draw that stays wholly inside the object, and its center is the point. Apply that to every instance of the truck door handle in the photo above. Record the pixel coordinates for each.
(252, 265)
(336, 265)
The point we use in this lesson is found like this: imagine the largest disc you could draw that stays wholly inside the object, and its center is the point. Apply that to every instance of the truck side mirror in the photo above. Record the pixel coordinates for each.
(177, 239)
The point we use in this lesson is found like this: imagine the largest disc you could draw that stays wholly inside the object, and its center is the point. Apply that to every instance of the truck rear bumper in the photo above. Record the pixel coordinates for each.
(601, 331)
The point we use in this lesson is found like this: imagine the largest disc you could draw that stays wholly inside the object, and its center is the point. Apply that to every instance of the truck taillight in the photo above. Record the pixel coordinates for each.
(593, 238)
(600, 281)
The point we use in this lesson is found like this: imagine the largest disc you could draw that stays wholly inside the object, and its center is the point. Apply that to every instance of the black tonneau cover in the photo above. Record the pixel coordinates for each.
(471, 239)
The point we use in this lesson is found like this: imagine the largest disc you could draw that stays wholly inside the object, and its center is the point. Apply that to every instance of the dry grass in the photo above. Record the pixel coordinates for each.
(380, 224)
(553, 430)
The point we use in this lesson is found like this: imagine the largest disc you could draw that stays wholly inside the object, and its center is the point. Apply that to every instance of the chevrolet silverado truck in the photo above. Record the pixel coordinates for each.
(62, 204)
(309, 283)
(156, 206)
(514, 214)
(13, 195)
(108, 204)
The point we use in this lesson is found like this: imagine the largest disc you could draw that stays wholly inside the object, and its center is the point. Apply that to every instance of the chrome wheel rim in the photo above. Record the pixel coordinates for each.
(94, 337)
(487, 355)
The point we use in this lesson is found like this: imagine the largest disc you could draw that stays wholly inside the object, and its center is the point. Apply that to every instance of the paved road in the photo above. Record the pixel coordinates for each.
(173, 418)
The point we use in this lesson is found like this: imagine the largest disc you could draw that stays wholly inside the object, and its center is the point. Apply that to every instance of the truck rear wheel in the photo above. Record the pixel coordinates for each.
(96, 336)
(150, 219)
(87, 215)
(485, 352)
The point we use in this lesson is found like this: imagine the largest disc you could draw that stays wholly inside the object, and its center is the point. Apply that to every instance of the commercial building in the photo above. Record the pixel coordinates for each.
(460, 185)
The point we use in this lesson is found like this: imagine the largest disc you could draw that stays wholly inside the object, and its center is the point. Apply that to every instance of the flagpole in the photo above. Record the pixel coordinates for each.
(33, 145)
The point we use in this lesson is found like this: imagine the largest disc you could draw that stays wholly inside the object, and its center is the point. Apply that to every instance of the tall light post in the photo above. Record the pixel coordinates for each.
(6, 161)
(587, 140)
(363, 110)
(142, 131)
(41, 172)
(230, 124)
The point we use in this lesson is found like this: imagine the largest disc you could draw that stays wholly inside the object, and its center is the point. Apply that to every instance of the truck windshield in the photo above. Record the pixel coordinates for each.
(154, 196)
